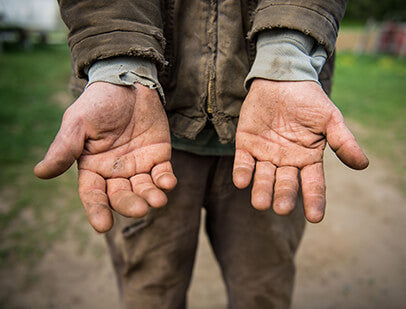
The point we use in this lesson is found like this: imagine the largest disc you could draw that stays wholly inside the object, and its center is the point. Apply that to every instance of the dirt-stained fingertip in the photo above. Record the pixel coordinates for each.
(47, 168)
(101, 219)
(362, 164)
(37, 170)
(241, 177)
(284, 206)
(357, 161)
(129, 204)
(155, 198)
(314, 216)
(167, 181)
(41, 172)
(261, 201)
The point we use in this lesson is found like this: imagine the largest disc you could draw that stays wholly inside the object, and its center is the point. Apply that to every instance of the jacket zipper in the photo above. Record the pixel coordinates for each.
(210, 92)
(211, 87)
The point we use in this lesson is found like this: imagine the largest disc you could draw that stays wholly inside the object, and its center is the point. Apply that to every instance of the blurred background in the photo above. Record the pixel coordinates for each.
(356, 258)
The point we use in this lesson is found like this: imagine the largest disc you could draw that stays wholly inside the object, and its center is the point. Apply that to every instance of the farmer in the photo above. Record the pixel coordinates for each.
(227, 96)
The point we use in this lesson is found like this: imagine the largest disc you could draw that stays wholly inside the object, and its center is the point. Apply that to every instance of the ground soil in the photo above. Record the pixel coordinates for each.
(355, 258)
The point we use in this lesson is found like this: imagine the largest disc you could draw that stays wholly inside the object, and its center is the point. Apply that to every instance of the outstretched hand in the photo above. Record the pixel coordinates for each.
(120, 138)
(283, 128)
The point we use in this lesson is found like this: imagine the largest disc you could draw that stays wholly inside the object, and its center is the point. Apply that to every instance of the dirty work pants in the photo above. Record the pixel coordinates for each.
(153, 256)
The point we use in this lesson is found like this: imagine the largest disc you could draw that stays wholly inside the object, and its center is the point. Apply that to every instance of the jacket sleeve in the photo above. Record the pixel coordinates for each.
(317, 18)
(100, 29)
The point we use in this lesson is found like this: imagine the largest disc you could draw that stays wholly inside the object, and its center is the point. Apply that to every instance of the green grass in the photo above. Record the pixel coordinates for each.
(29, 117)
(371, 91)
(352, 25)
(32, 215)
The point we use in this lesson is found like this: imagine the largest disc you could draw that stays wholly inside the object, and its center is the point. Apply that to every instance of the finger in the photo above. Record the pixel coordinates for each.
(314, 192)
(286, 187)
(262, 190)
(92, 192)
(143, 186)
(343, 143)
(123, 200)
(64, 150)
(243, 168)
(163, 177)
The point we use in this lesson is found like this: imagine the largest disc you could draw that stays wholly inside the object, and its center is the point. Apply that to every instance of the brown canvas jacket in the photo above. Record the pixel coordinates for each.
(203, 48)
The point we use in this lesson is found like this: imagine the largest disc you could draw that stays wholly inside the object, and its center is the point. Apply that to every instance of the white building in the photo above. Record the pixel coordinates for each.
(36, 15)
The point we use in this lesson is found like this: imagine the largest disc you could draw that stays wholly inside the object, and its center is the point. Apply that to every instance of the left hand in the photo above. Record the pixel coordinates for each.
(283, 128)
(120, 137)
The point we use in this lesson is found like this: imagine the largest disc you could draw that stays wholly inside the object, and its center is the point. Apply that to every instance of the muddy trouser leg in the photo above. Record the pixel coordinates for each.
(255, 249)
(153, 256)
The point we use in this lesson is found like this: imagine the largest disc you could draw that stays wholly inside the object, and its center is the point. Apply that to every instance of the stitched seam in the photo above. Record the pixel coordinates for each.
(302, 7)
(107, 32)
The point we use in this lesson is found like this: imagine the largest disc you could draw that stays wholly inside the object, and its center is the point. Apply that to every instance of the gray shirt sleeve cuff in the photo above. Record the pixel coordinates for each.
(287, 55)
(126, 71)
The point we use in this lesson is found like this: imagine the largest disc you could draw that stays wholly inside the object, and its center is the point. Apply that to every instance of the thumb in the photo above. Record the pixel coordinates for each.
(64, 150)
(344, 144)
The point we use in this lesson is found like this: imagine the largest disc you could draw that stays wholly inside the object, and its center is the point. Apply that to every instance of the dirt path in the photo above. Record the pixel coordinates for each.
(354, 259)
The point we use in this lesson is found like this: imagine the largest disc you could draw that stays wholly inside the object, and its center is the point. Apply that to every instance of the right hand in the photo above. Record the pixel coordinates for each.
(283, 128)
(120, 137)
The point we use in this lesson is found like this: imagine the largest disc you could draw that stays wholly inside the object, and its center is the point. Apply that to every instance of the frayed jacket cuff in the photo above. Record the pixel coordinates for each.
(126, 71)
